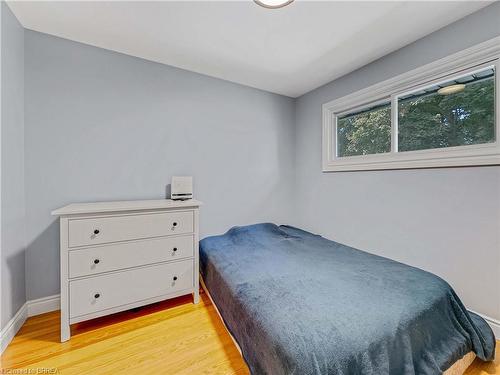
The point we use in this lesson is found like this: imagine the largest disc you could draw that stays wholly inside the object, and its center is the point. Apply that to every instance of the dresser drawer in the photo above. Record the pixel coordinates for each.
(103, 292)
(83, 232)
(112, 257)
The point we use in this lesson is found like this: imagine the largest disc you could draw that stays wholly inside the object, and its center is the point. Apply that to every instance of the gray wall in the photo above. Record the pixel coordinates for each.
(105, 126)
(12, 166)
(443, 220)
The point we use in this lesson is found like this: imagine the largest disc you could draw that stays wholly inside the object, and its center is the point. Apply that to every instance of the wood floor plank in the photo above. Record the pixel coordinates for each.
(171, 337)
(479, 367)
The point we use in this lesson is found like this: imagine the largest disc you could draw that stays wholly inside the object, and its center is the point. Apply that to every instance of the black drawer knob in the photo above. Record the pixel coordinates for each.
(96, 231)
(174, 224)
(96, 261)
(97, 295)
(175, 249)
(175, 278)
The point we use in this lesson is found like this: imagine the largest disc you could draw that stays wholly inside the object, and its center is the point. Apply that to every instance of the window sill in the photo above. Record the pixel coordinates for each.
(391, 161)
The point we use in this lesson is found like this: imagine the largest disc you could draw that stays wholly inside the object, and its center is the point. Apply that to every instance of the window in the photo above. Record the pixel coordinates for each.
(365, 131)
(459, 112)
(443, 114)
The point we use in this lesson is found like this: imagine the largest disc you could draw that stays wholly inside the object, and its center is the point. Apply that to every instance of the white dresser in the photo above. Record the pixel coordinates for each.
(120, 255)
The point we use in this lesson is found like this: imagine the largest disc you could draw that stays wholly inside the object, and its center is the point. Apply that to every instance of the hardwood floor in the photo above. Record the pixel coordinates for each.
(172, 337)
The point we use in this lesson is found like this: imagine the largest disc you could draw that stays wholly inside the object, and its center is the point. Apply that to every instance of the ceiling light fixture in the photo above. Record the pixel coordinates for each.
(453, 89)
(273, 4)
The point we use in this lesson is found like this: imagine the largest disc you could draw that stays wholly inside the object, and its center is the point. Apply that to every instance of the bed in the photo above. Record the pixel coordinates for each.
(297, 303)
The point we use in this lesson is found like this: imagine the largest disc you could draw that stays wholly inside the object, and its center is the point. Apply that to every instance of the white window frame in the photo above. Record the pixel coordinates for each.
(460, 64)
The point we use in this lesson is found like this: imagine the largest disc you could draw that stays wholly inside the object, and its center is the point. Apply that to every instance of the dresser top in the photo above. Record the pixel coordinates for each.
(117, 206)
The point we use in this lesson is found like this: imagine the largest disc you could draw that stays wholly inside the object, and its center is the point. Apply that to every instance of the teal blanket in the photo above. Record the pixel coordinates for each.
(300, 304)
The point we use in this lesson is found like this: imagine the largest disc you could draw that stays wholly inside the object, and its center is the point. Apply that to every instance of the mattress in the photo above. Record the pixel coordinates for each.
(297, 303)
(458, 368)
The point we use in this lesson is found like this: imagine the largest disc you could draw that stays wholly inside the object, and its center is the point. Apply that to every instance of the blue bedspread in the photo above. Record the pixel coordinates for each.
(300, 304)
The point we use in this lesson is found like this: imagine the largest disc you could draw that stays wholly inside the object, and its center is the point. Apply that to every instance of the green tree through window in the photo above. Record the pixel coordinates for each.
(437, 121)
(363, 133)
(430, 118)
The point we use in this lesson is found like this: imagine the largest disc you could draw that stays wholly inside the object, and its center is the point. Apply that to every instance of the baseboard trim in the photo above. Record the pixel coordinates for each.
(13, 326)
(30, 308)
(52, 303)
(43, 305)
(493, 323)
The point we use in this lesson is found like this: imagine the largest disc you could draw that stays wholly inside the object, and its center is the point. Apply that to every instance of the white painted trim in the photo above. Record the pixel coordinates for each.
(493, 323)
(486, 154)
(43, 305)
(52, 303)
(30, 308)
(12, 327)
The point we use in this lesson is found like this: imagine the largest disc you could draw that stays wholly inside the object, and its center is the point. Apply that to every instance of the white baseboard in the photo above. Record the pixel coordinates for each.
(43, 305)
(52, 303)
(30, 308)
(493, 323)
(10, 330)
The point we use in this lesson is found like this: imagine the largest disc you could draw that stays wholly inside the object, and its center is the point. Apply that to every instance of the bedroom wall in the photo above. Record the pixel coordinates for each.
(248, 162)
(105, 126)
(443, 220)
(12, 166)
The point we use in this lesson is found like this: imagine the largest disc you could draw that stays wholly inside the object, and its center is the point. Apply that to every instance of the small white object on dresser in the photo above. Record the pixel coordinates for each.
(120, 255)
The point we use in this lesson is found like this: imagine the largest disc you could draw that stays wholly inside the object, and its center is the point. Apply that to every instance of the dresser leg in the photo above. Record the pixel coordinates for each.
(65, 331)
(196, 296)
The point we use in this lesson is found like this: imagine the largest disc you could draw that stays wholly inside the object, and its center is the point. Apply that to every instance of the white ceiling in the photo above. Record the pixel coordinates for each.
(289, 51)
